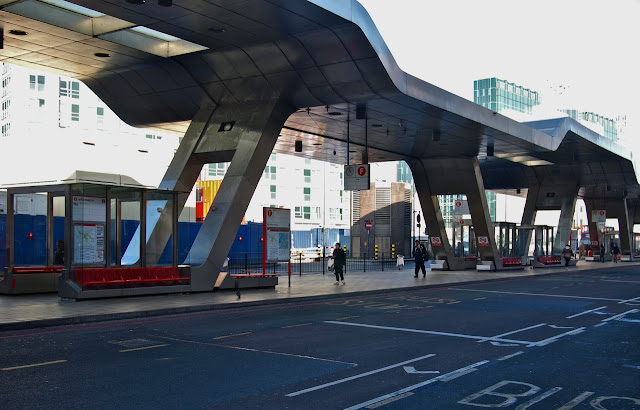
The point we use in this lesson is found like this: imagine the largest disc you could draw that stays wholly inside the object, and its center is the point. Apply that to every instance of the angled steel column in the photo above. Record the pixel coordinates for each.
(568, 205)
(618, 208)
(529, 215)
(431, 212)
(594, 234)
(254, 127)
(454, 176)
(181, 175)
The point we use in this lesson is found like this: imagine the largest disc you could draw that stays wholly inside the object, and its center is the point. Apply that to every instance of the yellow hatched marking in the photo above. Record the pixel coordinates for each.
(33, 365)
(227, 336)
(142, 348)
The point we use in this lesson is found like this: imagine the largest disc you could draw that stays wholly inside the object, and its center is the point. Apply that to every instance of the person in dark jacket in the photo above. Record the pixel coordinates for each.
(614, 252)
(339, 260)
(602, 252)
(58, 255)
(420, 254)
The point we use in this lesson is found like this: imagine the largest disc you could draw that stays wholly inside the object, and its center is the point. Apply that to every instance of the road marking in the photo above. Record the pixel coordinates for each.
(33, 365)
(236, 334)
(412, 370)
(535, 294)
(415, 386)
(539, 398)
(600, 324)
(621, 315)
(459, 374)
(358, 376)
(298, 325)
(511, 355)
(431, 332)
(391, 400)
(622, 281)
(576, 401)
(482, 298)
(585, 312)
(637, 299)
(142, 348)
(555, 338)
(512, 332)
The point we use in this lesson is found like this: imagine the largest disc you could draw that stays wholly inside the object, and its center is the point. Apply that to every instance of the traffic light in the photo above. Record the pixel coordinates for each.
(376, 252)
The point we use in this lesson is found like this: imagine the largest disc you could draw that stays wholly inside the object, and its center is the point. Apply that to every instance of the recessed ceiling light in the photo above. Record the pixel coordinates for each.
(136, 1)
(165, 3)
(102, 55)
(316, 143)
(376, 125)
(144, 151)
(18, 32)
(216, 30)
(334, 113)
(88, 143)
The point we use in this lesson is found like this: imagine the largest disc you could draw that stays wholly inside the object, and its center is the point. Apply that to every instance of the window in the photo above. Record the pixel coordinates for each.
(270, 173)
(40, 102)
(307, 176)
(5, 130)
(307, 194)
(100, 116)
(306, 212)
(69, 89)
(75, 112)
(272, 189)
(297, 212)
(36, 82)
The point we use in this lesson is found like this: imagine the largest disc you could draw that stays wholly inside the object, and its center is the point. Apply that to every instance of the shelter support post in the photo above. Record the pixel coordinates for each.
(618, 209)
(245, 134)
(550, 197)
(454, 176)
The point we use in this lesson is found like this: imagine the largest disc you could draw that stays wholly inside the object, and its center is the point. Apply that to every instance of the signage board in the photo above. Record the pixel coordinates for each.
(276, 234)
(461, 207)
(357, 177)
(368, 225)
(436, 241)
(483, 241)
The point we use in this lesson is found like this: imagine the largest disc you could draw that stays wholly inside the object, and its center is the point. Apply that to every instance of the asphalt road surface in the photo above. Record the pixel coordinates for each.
(566, 341)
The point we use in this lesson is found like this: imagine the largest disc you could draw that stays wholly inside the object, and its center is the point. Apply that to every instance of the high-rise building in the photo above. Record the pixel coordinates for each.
(499, 95)
(609, 126)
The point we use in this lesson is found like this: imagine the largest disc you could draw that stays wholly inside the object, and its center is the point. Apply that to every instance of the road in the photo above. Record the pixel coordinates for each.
(565, 341)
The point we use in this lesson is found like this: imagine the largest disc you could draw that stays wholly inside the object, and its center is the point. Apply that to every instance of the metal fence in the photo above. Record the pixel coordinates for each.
(252, 263)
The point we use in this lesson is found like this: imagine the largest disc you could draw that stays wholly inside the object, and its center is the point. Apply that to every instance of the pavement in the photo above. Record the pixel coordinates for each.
(44, 310)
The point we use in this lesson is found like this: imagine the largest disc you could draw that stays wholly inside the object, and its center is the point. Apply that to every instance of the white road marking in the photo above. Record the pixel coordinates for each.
(135, 349)
(512, 332)
(431, 332)
(554, 338)
(573, 403)
(511, 355)
(385, 402)
(621, 315)
(416, 386)
(26, 366)
(622, 281)
(535, 294)
(322, 386)
(539, 398)
(458, 374)
(636, 299)
(586, 311)
(412, 370)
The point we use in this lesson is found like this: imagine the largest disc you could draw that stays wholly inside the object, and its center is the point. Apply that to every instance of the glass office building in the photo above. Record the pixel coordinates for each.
(497, 95)
(610, 127)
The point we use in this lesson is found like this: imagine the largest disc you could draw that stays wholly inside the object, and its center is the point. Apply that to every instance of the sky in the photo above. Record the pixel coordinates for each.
(576, 53)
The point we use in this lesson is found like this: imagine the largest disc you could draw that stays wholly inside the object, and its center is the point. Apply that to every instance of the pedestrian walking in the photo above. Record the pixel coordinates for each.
(567, 254)
(602, 251)
(339, 260)
(614, 252)
(419, 254)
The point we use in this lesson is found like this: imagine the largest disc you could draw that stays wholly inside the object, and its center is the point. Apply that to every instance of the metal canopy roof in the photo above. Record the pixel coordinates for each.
(325, 56)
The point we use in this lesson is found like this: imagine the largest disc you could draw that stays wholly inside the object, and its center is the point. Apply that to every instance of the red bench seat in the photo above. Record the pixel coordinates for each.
(511, 261)
(549, 260)
(118, 277)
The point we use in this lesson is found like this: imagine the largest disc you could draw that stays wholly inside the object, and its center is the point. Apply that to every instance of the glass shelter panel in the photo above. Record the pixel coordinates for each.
(88, 230)
(125, 239)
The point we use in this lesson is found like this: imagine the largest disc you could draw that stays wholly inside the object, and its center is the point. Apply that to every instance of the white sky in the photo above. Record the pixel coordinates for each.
(577, 53)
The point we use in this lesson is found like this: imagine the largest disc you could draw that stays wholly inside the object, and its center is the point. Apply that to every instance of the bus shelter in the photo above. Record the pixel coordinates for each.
(93, 239)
